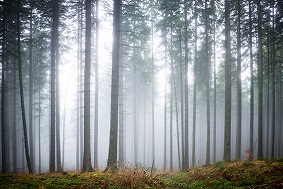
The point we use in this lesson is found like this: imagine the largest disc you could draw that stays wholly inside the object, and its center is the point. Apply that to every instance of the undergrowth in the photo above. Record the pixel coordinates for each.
(235, 174)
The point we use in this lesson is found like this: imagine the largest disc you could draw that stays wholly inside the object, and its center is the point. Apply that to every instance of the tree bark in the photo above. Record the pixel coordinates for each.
(54, 41)
(87, 167)
(29, 163)
(227, 129)
(95, 150)
(112, 155)
(239, 84)
(260, 82)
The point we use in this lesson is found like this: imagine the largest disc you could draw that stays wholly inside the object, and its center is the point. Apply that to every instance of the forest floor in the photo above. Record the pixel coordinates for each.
(235, 174)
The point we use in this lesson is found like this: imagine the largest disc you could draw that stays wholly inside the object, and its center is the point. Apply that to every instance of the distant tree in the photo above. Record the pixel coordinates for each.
(227, 123)
(87, 167)
(112, 154)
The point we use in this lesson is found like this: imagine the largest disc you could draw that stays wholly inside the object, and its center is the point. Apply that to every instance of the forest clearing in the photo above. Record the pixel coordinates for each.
(235, 174)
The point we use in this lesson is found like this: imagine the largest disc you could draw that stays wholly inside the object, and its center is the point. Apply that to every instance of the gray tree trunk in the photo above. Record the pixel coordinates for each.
(87, 167)
(112, 155)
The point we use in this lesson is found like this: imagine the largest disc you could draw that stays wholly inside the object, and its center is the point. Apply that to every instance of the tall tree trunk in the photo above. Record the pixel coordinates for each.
(195, 90)
(58, 113)
(186, 91)
(171, 98)
(3, 88)
(152, 92)
(214, 91)
(252, 82)
(14, 122)
(112, 155)
(165, 107)
(121, 117)
(87, 167)
(31, 135)
(54, 42)
(95, 150)
(239, 84)
(227, 129)
(273, 86)
(260, 82)
(29, 163)
(207, 59)
(78, 87)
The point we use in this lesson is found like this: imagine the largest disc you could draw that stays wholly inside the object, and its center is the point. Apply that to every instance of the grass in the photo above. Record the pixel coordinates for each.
(236, 174)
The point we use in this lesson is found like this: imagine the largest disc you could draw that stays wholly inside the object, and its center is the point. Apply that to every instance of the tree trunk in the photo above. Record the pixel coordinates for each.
(186, 91)
(227, 129)
(29, 163)
(31, 135)
(87, 167)
(260, 82)
(112, 155)
(252, 83)
(54, 41)
(207, 58)
(3, 91)
(165, 107)
(95, 150)
(239, 84)
(195, 90)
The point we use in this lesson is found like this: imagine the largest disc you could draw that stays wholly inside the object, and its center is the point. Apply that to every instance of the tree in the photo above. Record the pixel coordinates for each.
(87, 167)
(95, 156)
(239, 83)
(251, 82)
(29, 163)
(112, 154)
(54, 46)
(227, 123)
(186, 91)
(3, 89)
(207, 59)
(260, 82)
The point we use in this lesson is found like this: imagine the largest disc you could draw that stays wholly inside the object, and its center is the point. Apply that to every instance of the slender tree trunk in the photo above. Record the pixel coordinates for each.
(207, 87)
(260, 82)
(3, 89)
(112, 155)
(171, 97)
(186, 89)
(239, 84)
(214, 91)
(121, 118)
(31, 87)
(78, 88)
(14, 121)
(95, 150)
(29, 163)
(54, 41)
(165, 107)
(58, 114)
(227, 129)
(152, 93)
(87, 167)
(195, 90)
(273, 72)
(252, 83)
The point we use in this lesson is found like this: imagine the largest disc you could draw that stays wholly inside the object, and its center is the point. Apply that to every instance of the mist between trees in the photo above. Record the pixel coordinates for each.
(167, 85)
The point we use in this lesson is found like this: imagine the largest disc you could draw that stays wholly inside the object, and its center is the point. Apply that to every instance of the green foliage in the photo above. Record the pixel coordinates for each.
(236, 174)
